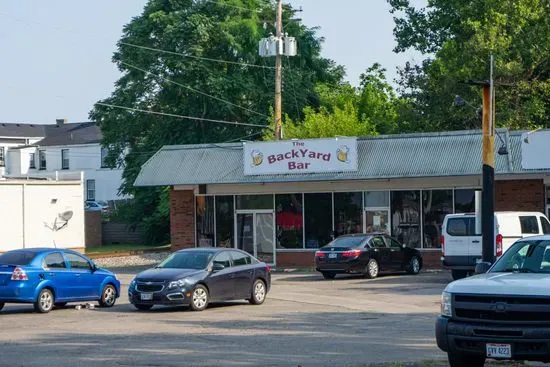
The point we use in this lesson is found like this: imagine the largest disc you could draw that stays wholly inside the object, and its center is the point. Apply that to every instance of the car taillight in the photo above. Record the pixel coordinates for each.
(499, 245)
(268, 268)
(19, 274)
(319, 254)
(351, 253)
(443, 245)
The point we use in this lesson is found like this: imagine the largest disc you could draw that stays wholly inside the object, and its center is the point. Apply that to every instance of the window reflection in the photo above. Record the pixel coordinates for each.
(289, 220)
(436, 204)
(348, 213)
(318, 218)
(205, 221)
(224, 221)
(405, 221)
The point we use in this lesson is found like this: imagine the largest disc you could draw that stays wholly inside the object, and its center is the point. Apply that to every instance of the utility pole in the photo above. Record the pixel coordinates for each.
(278, 46)
(488, 156)
(278, 73)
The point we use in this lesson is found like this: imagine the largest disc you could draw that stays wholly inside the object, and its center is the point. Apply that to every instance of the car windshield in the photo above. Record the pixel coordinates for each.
(525, 257)
(17, 258)
(351, 241)
(187, 260)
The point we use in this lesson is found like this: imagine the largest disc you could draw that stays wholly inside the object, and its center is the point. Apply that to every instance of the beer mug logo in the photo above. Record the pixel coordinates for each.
(257, 157)
(342, 154)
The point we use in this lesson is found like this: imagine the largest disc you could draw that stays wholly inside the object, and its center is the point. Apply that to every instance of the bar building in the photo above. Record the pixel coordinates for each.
(282, 200)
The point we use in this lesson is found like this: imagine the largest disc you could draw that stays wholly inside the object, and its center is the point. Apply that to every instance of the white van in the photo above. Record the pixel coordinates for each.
(462, 248)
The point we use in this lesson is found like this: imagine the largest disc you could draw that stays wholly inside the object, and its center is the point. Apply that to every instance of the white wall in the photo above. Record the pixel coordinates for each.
(28, 211)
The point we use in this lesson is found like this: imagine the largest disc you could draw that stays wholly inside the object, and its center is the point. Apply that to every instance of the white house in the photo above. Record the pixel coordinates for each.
(63, 151)
(16, 135)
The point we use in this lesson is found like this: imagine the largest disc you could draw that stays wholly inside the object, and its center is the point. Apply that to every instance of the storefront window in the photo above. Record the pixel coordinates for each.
(348, 207)
(405, 219)
(251, 202)
(436, 204)
(465, 201)
(377, 199)
(205, 221)
(225, 225)
(289, 220)
(318, 218)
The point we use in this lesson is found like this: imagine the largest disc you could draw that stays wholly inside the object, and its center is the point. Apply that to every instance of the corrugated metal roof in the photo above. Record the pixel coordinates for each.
(392, 156)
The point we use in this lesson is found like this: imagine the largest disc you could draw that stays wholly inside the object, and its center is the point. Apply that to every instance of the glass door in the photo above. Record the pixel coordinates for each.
(377, 221)
(245, 232)
(256, 234)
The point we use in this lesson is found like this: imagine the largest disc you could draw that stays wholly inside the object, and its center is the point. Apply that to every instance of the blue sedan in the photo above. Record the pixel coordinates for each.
(49, 277)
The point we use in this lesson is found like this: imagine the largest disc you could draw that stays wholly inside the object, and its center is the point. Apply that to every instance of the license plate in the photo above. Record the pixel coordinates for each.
(332, 256)
(499, 351)
(146, 296)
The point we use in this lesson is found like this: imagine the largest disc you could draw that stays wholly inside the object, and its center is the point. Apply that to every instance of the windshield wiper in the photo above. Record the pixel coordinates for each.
(521, 270)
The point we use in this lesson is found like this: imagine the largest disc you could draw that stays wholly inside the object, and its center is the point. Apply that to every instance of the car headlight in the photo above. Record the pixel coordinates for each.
(446, 304)
(133, 283)
(177, 284)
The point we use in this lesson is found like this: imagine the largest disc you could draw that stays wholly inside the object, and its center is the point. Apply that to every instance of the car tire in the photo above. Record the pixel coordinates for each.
(461, 360)
(372, 269)
(459, 274)
(108, 296)
(259, 292)
(414, 266)
(143, 307)
(45, 301)
(199, 299)
(1, 305)
(60, 304)
(328, 275)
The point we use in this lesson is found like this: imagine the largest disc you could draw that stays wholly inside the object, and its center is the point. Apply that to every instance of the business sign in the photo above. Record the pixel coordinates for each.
(534, 150)
(300, 156)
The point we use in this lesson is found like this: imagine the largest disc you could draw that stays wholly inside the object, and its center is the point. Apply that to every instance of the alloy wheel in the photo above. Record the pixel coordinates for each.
(415, 265)
(200, 298)
(373, 269)
(259, 291)
(109, 296)
(46, 301)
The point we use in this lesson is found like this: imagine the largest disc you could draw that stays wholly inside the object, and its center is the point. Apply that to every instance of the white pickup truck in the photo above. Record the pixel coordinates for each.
(502, 312)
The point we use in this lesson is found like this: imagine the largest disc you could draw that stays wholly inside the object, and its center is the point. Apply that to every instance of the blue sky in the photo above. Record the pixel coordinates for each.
(56, 55)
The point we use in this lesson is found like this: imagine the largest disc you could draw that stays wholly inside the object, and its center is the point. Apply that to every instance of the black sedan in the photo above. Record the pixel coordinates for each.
(196, 277)
(366, 254)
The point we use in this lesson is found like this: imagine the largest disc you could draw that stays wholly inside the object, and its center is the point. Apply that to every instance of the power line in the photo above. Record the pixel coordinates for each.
(181, 116)
(233, 6)
(193, 89)
(196, 57)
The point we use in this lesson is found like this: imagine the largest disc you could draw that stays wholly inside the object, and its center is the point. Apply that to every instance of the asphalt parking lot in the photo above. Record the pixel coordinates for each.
(306, 321)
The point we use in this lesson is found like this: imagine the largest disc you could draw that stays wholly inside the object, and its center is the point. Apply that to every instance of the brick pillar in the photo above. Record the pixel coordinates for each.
(182, 219)
(519, 195)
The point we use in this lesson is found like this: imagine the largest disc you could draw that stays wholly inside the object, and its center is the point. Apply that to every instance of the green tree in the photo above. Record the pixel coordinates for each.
(173, 84)
(344, 110)
(458, 38)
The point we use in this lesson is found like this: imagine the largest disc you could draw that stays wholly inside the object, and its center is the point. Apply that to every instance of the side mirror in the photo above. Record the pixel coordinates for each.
(404, 246)
(94, 267)
(482, 267)
(217, 267)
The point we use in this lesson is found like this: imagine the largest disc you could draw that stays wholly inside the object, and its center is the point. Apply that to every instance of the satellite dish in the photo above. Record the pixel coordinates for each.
(66, 216)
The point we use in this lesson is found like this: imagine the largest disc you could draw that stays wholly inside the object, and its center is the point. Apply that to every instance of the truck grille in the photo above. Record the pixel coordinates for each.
(502, 308)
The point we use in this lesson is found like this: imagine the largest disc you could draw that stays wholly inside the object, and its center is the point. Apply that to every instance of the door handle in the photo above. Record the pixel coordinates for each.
(475, 241)
(77, 274)
(51, 274)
